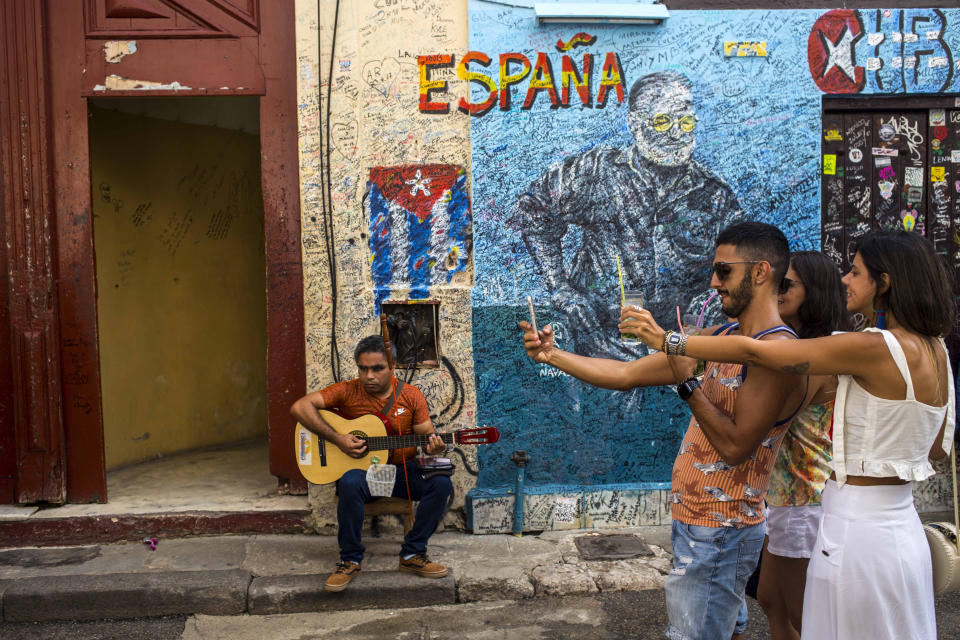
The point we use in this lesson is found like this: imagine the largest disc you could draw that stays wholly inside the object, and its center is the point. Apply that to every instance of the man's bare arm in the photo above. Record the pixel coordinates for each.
(306, 411)
(601, 372)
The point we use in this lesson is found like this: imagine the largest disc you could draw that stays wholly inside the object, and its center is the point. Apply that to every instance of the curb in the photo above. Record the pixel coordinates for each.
(125, 595)
(218, 592)
(55, 532)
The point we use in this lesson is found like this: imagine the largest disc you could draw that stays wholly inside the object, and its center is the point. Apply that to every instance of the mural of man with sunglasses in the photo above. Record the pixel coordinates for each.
(649, 204)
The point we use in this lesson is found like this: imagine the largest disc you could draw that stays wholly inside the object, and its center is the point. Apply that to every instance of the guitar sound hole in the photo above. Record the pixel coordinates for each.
(362, 436)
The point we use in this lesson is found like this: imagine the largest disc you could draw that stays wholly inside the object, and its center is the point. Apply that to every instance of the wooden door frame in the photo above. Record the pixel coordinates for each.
(71, 84)
(32, 465)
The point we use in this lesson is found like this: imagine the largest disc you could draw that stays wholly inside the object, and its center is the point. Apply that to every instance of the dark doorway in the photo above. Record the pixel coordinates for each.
(180, 265)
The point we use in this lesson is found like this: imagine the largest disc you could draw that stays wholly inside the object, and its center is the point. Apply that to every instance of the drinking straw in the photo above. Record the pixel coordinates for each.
(680, 322)
(533, 318)
(623, 296)
(703, 309)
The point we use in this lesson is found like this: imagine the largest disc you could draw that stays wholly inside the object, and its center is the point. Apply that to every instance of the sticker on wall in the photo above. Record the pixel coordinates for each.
(887, 132)
(913, 176)
(565, 511)
(744, 49)
(886, 189)
(909, 220)
(914, 195)
(882, 162)
(855, 155)
(955, 156)
(940, 132)
(883, 151)
(829, 164)
(420, 227)
(938, 117)
(832, 135)
(938, 174)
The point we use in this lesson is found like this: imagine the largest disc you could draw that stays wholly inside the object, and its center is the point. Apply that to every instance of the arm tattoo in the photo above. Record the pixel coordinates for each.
(799, 369)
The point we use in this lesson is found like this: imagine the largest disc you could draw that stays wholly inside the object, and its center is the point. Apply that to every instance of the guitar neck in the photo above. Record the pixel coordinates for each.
(378, 443)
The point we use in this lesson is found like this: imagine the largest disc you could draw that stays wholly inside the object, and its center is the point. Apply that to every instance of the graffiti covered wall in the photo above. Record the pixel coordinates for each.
(459, 152)
(598, 147)
(384, 197)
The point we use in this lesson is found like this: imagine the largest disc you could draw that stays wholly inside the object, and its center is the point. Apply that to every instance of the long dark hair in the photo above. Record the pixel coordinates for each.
(824, 308)
(920, 295)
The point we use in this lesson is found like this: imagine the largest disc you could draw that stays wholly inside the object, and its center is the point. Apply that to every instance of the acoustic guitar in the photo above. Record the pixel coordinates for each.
(323, 462)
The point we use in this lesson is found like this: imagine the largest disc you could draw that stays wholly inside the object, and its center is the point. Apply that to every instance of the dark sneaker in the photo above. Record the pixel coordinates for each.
(340, 578)
(421, 566)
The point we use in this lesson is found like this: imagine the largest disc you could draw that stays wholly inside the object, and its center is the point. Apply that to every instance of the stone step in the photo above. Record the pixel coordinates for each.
(124, 595)
(368, 590)
(216, 592)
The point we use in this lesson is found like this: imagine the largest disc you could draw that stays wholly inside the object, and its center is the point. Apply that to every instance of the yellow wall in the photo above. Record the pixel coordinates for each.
(375, 122)
(178, 233)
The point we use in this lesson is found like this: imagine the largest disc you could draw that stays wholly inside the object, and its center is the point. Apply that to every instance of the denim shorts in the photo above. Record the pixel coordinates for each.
(704, 590)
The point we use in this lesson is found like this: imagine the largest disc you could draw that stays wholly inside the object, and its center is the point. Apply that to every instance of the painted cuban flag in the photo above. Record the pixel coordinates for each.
(420, 228)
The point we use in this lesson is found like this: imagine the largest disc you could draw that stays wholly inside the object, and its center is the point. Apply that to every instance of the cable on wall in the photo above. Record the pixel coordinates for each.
(326, 188)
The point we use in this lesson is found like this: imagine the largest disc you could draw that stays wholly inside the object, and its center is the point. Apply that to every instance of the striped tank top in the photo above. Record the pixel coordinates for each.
(706, 490)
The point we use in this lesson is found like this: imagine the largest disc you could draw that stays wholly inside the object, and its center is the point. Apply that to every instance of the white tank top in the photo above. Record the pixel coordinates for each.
(881, 438)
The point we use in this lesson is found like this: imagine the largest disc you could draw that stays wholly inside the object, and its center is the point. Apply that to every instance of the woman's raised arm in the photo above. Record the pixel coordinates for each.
(851, 353)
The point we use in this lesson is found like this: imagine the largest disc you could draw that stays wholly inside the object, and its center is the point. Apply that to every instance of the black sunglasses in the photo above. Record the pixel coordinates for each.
(787, 284)
(723, 269)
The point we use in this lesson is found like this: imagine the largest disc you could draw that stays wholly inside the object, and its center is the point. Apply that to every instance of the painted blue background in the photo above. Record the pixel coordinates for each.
(759, 129)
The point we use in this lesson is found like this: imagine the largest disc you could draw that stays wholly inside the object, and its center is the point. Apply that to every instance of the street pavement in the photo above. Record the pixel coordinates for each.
(637, 615)
(271, 586)
(601, 616)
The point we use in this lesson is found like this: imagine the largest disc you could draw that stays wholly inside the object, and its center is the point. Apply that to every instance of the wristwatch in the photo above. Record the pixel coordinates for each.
(686, 388)
(672, 343)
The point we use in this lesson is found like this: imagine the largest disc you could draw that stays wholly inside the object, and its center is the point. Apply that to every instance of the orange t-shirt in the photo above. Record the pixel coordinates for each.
(352, 401)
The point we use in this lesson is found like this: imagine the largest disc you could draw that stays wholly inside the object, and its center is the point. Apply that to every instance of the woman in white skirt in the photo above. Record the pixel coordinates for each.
(870, 575)
(812, 301)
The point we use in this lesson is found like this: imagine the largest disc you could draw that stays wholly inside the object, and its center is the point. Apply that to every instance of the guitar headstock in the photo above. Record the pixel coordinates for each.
(480, 435)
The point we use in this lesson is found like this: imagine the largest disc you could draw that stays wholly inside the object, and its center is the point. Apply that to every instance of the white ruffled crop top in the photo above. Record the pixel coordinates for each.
(880, 438)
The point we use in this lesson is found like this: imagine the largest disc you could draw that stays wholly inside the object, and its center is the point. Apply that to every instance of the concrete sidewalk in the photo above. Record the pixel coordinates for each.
(268, 574)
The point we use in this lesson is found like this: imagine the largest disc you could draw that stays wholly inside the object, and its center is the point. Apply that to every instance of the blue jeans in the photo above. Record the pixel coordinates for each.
(354, 494)
(704, 590)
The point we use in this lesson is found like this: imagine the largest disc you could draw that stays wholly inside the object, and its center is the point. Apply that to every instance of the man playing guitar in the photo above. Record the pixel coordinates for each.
(372, 392)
